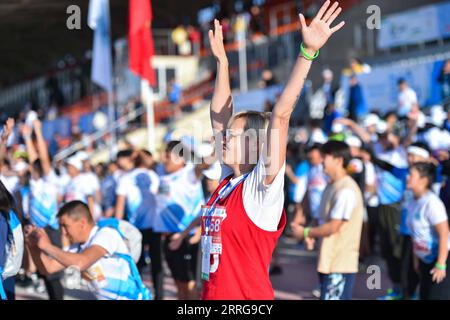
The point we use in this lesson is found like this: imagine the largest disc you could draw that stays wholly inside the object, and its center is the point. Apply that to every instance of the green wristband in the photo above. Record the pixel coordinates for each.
(440, 266)
(306, 55)
(306, 232)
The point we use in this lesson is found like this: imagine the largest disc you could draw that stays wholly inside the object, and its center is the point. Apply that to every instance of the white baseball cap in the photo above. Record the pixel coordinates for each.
(418, 151)
(204, 150)
(421, 120)
(213, 172)
(381, 126)
(82, 155)
(20, 166)
(337, 127)
(437, 115)
(75, 162)
(353, 141)
(371, 120)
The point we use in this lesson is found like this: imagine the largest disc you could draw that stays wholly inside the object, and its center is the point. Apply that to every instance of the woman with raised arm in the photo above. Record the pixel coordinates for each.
(244, 217)
(43, 205)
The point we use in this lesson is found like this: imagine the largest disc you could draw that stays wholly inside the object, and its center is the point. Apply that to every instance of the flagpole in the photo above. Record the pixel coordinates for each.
(147, 101)
(241, 26)
(112, 130)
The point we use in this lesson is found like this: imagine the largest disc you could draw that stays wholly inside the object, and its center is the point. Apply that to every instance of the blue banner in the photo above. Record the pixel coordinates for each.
(424, 24)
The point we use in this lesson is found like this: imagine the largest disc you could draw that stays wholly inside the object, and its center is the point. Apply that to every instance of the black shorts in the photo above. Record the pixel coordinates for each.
(55, 239)
(182, 262)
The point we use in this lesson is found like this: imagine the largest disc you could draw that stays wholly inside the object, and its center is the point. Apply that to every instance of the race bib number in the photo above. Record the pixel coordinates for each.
(206, 257)
(212, 227)
(95, 274)
(211, 240)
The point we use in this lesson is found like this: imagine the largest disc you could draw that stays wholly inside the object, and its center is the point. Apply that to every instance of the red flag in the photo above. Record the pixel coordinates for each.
(140, 40)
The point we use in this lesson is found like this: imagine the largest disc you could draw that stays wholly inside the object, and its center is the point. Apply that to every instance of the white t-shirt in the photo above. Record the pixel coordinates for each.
(79, 188)
(108, 276)
(263, 204)
(179, 200)
(397, 157)
(93, 181)
(317, 136)
(63, 181)
(422, 215)
(344, 205)
(44, 201)
(437, 139)
(406, 99)
(11, 182)
(139, 187)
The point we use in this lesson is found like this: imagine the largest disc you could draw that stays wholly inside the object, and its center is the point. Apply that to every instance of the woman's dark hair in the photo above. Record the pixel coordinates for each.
(426, 170)
(338, 149)
(314, 146)
(7, 202)
(124, 153)
(176, 147)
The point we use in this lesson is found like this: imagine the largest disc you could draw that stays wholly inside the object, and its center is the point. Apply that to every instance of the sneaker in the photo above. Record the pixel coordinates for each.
(38, 284)
(316, 292)
(23, 280)
(391, 295)
(147, 258)
(40, 288)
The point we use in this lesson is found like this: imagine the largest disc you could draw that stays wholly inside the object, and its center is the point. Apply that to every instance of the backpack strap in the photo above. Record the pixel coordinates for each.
(114, 224)
(146, 295)
(13, 223)
(2, 290)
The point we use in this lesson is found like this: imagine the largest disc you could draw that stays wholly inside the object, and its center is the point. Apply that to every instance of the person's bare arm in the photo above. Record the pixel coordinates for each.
(177, 238)
(91, 204)
(42, 148)
(98, 196)
(120, 207)
(358, 130)
(7, 130)
(31, 150)
(442, 231)
(299, 217)
(326, 229)
(314, 37)
(322, 231)
(43, 263)
(222, 102)
(109, 213)
(198, 170)
(82, 260)
(291, 175)
(412, 130)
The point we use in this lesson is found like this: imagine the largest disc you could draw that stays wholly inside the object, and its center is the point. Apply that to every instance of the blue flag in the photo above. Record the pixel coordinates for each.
(99, 21)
